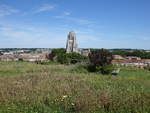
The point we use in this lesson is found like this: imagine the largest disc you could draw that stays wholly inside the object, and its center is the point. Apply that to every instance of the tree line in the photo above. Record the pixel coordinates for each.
(139, 53)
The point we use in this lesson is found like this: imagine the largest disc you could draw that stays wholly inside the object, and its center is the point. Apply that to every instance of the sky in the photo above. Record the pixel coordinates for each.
(97, 23)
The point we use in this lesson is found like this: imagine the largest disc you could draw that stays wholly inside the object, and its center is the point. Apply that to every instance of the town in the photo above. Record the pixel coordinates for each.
(40, 54)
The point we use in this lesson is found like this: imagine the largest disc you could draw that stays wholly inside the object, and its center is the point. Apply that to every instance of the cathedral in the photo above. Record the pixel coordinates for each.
(71, 43)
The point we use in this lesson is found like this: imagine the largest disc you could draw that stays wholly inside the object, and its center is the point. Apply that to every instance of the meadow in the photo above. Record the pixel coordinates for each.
(53, 88)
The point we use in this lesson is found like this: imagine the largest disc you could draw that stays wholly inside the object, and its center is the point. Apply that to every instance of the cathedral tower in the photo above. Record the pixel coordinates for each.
(71, 43)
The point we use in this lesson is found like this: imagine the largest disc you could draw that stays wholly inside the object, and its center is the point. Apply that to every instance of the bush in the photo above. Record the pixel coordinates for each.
(71, 58)
(107, 69)
(76, 57)
(58, 51)
(50, 56)
(63, 59)
(101, 61)
(60, 56)
(101, 57)
(20, 59)
(91, 68)
(147, 68)
(55, 53)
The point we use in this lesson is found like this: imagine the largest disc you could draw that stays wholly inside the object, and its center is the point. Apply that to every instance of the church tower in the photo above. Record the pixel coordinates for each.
(71, 43)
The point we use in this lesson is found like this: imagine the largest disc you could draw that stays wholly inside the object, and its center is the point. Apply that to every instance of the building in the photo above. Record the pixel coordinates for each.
(133, 63)
(24, 57)
(32, 57)
(118, 57)
(85, 52)
(133, 58)
(8, 57)
(71, 43)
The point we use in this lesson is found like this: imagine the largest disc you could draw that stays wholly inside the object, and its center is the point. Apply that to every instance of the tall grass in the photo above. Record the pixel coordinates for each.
(31, 88)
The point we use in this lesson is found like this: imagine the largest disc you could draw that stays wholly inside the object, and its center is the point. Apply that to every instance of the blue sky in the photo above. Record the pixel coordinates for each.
(97, 23)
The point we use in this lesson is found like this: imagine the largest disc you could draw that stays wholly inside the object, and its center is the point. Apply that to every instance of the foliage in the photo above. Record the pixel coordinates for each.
(58, 51)
(63, 59)
(60, 56)
(20, 59)
(50, 56)
(139, 53)
(106, 69)
(55, 52)
(101, 60)
(101, 57)
(148, 67)
(71, 58)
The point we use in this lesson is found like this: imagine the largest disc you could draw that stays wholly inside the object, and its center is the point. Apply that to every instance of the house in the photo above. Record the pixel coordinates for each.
(118, 57)
(32, 57)
(24, 57)
(8, 57)
(133, 63)
(132, 58)
(85, 52)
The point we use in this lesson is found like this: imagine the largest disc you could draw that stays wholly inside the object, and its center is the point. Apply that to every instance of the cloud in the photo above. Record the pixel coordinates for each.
(24, 36)
(43, 8)
(6, 10)
(66, 13)
(66, 16)
(63, 15)
(144, 38)
(80, 21)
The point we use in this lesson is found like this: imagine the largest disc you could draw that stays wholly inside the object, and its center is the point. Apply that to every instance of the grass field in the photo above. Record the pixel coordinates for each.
(34, 88)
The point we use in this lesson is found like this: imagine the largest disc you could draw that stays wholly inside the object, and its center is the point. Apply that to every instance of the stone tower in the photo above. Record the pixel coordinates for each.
(71, 43)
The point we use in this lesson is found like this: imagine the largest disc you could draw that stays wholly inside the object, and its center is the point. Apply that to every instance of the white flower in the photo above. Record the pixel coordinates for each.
(65, 96)
(72, 104)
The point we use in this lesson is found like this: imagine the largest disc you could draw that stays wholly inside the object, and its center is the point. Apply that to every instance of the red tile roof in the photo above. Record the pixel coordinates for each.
(132, 61)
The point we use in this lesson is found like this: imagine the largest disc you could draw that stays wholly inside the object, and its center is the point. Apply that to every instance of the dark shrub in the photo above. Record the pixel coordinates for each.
(91, 68)
(50, 56)
(147, 67)
(101, 61)
(101, 57)
(20, 59)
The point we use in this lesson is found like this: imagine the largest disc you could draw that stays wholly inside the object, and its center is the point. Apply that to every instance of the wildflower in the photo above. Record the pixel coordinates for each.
(56, 100)
(62, 100)
(72, 104)
(65, 96)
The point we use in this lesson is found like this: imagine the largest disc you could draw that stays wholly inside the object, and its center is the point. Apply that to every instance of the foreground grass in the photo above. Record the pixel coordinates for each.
(31, 88)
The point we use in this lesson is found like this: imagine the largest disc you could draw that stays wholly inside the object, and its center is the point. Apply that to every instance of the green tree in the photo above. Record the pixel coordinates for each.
(71, 58)
(63, 59)
(58, 51)
(55, 52)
